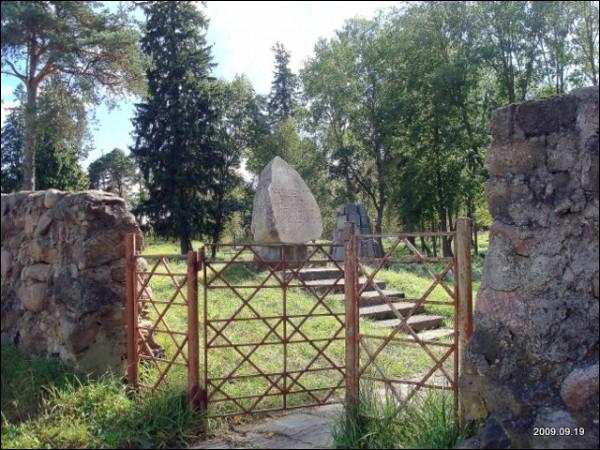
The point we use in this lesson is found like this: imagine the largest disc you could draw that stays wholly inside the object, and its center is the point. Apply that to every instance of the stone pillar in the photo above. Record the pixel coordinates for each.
(63, 276)
(533, 359)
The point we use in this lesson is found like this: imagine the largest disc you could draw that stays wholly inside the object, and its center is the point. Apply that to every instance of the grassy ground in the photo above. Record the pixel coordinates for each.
(399, 360)
(45, 405)
(427, 421)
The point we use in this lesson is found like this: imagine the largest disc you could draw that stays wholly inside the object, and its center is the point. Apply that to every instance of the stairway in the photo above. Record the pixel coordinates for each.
(373, 306)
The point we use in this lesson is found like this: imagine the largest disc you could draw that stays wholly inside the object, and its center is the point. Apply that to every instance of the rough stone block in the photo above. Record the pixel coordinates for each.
(33, 296)
(517, 158)
(562, 149)
(580, 388)
(538, 118)
(6, 261)
(49, 304)
(38, 272)
(51, 197)
(534, 349)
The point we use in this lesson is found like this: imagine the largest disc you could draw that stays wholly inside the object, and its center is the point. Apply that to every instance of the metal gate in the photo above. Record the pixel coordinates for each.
(251, 346)
(260, 351)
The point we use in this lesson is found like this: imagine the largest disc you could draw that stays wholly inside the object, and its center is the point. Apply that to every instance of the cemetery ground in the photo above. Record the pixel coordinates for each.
(44, 404)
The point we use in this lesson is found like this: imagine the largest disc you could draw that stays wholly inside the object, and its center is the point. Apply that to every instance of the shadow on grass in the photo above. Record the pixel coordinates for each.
(51, 408)
(24, 381)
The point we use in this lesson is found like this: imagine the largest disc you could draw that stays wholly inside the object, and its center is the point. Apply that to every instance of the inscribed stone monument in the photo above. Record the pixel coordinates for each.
(356, 214)
(284, 212)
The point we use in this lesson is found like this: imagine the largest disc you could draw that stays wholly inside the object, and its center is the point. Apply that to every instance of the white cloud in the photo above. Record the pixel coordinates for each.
(244, 32)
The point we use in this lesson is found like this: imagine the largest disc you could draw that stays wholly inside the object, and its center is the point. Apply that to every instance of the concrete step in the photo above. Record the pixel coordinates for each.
(338, 286)
(418, 322)
(384, 311)
(320, 273)
(373, 298)
(433, 335)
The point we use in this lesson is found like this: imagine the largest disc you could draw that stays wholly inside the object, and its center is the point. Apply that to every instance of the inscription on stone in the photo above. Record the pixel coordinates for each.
(284, 209)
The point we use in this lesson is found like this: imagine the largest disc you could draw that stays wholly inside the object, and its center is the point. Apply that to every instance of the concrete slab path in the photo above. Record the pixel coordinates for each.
(306, 429)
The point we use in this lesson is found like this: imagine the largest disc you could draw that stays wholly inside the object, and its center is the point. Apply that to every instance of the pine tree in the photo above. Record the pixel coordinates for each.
(95, 48)
(175, 125)
(284, 87)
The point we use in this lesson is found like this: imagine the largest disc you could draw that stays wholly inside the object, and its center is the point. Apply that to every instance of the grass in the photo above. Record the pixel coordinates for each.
(427, 421)
(44, 404)
(395, 360)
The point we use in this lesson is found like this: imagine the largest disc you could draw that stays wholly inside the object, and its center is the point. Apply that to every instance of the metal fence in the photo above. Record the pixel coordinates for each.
(251, 346)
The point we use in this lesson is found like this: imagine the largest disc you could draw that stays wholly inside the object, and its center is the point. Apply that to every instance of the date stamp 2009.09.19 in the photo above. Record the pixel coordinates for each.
(558, 431)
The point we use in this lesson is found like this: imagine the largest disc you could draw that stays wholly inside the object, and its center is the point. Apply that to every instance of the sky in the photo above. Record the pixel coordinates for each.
(242, 34)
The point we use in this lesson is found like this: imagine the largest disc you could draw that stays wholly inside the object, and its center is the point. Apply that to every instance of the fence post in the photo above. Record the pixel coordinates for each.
(465, 301)
(351, 308)
(192, 331)
(465, 288)
(131, 309)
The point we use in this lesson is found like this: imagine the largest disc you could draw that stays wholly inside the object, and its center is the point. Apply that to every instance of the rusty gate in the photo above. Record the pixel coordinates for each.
(244, 342)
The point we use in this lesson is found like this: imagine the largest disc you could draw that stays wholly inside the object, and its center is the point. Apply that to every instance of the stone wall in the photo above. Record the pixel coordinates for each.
(533, 358)
(63, 277)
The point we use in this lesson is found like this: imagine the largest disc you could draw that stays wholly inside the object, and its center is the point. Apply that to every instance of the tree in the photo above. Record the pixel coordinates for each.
(62, 139)
(175, 124)
(234, 105)
(95, 48)
(12, 151)
(509, 36)
(284, 87)
(112, 172)
(348, 85)
(585, 39)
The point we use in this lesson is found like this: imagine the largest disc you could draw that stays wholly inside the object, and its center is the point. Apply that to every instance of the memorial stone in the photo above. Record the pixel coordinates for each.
(284, 212)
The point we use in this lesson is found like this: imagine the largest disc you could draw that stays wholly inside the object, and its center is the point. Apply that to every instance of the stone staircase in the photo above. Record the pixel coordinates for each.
(373, 306)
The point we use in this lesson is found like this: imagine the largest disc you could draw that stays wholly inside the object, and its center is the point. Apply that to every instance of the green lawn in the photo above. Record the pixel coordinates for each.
(45, 405)
(399, 360)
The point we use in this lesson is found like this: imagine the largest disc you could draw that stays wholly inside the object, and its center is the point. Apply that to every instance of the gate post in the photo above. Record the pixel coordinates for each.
(465, 288)
(351, 308)
(192, 331)
(131, 310)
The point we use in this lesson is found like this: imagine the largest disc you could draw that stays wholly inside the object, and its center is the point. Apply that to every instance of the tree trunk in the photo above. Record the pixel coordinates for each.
(218, 226)
(29, 133)
(446, 248)
(434, 239)
(379, 226)
(185, 244)
(471, 215)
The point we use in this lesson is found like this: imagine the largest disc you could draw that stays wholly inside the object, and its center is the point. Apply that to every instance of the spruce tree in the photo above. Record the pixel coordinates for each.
(62, 140)
(174, 125)
(284, 87)
(12, 151)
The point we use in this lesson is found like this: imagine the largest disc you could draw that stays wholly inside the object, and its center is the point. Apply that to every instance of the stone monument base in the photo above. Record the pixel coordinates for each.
(294, 255)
